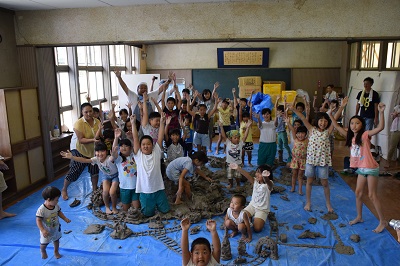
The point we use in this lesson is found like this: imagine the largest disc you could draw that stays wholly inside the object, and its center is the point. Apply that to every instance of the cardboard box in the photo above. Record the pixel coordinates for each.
(250, 81)
(245, 91)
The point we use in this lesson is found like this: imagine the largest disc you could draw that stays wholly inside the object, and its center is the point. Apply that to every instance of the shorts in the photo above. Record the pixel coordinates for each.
(201, 139)
(152, 201)
(368, 171)
(54, 235)
(3, 185)
(110, 178)
(232, 173)
(321, 172)
(248, 146)
(128, 195)
(257, 213)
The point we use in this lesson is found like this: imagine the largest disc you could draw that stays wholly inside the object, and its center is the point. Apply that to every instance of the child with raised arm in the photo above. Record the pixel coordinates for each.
(260, 204)
(126, 170)
(151, 122)
(47, 221)
(179, 168)
(207, 98)
(200, 252)
(299, 155)
(173, 141)
(201, 122)
(359, 141)
(237, 219)
(267, 146)
(150, 183)
(318, 155)
(169, 108)
(234, 147)
(224, 113)
(107, 166)
(280, 125)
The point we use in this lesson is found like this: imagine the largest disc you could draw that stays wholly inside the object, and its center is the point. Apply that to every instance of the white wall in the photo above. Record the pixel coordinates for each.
(387, 84)
(281, 54)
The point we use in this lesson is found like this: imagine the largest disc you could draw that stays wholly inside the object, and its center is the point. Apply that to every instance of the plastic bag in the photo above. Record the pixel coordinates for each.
(261, 101)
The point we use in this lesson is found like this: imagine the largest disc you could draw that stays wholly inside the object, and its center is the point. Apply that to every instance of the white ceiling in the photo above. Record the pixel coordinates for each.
(18, 5)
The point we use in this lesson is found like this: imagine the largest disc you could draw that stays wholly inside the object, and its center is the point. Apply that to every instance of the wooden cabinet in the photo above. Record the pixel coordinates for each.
(21, 139)
(60, 165)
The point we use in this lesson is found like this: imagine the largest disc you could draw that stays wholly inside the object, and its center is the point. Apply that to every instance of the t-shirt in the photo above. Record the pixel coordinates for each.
(368, 110)
(134, 98)
(267, 132)
(175, 118)
(174, 150)
(260, 198)
(319, 148)
(243, 131)
(245, 109)
(237, 220)
(224, 116)
(88, 132)
(212, 262)
(201, 123)
(126, 172)
(175, 168)
(189, 133)
(108, 167)
(360, 156)
(50, 218)
(151, 131)
(331, 96)
(281, 125)
(234, 152)
(149, 178)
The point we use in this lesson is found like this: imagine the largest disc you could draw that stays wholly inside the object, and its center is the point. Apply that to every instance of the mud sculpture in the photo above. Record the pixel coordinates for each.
(226, 252)
(194, 230)
(298, 227)
(267, 247)
(312, 220)
(330, 216)
(309, 234)
(121, 231)
(355, 238)
(94, 229)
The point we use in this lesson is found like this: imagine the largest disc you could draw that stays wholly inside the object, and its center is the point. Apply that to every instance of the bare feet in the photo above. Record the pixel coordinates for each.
(380, 227)
(292, 190)
(64, 194)
(307, 207)
(229, 186)
(209, 150)
(6, 215)
(108, 211)
(216, 152)
(115, 211)
(178, 201)
(57, 255)
(44, 254)
(356, 221)
(301, 193)
(233, 234)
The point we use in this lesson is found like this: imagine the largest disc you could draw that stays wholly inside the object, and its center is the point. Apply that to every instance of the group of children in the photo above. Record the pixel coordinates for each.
(134, 164)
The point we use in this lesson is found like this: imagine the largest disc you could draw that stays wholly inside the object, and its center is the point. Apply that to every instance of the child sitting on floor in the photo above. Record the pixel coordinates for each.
(48, 222)
(108, 168)
(200, 252)
(234, 148)
(237, 219)
(259, 205)
(180, 167)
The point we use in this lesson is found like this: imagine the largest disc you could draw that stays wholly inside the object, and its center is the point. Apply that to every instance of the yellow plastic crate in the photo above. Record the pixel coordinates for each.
(273, 88)
(290, 95)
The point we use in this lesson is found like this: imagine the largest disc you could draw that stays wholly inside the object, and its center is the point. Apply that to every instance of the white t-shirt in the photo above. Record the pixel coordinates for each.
(213, 262)
(260, 198)
(126, 172)
(331, 96)
(234, 152)
(108, 167)
(238, 220)
(267, 132)
(134, 98)
(74, 139)
(149, 178)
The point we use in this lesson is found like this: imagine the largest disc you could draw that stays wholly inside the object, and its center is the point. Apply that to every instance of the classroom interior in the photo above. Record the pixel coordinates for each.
(311, 44)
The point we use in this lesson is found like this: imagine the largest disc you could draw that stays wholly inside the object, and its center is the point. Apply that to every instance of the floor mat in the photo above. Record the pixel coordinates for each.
(19, 236)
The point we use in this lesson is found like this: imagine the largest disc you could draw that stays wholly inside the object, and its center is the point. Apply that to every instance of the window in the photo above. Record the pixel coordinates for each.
(117, 62)
(370, 54)
(64, 88)
(393, 55)
(354, 55)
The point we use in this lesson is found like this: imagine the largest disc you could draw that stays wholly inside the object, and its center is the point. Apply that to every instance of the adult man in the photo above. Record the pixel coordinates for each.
(367, 104)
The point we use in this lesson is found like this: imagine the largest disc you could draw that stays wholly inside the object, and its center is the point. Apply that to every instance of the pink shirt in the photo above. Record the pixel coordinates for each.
(360, 156)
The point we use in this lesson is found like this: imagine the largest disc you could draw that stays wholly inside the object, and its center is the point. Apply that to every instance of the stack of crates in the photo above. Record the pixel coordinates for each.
(246, 86)
(249, 84)
(274, 89)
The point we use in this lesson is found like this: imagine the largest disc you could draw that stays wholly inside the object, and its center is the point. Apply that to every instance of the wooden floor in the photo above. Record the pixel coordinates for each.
(388, 187)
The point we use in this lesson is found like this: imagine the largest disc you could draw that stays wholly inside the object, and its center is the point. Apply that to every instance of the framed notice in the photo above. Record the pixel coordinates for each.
(243, 57)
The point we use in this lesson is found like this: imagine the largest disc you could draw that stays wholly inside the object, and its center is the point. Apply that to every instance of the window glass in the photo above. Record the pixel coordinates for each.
(370, 54)
(393, 55)
(64, 89)
(61, 56)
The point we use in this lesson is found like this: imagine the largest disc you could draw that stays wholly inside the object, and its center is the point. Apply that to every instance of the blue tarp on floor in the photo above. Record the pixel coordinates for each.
(19, 236)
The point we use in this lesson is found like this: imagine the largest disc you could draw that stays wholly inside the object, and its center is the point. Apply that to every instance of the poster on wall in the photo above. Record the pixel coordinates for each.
(243, 57)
